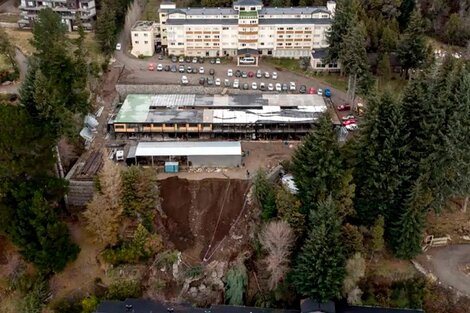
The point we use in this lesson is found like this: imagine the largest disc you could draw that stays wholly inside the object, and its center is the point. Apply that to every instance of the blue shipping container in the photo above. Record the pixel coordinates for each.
(171, 167)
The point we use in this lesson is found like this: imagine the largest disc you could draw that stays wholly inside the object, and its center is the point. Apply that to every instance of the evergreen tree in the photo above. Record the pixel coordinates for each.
(320, 268)
(345, 15)
(388, 40)
(236, 282)
(383, 67)
(412, 47)
(265, 195)
(406, 9)
(379, 175)
(106, 28)
(288, 207)
(377, 232)
(317, 165)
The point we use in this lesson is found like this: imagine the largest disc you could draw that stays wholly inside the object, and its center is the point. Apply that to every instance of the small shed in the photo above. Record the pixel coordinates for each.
(197, 154)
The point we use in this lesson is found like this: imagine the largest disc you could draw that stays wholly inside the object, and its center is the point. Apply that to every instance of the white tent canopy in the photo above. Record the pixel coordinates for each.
(188, 148)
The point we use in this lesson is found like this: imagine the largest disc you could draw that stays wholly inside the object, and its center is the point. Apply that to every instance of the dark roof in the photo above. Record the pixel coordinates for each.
(248, 2)
(310, 305)
(319, 53)
(274, 21)
(247, 51)
(182, 21)
(293, 10)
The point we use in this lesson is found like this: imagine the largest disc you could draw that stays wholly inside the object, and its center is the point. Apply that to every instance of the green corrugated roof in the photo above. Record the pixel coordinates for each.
(135, 109)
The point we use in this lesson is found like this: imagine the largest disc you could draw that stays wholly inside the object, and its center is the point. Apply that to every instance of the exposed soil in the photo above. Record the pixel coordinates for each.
(200, 213)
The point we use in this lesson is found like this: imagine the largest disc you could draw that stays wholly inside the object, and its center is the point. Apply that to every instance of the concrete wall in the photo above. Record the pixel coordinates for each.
(215, 160)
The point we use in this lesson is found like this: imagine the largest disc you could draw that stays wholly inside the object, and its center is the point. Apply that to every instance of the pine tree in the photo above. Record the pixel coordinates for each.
(236, 282)
(320, 268)
(406, 9)
(377, 232)
(412, 47)
(317, 165)
(383, 67)
(265, 195)
(288, 207)
(379, 175)
(106, 27)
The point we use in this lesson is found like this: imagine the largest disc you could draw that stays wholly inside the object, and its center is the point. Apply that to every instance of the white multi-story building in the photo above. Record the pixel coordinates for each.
(67, 9)
(145, 35)
(247, 29)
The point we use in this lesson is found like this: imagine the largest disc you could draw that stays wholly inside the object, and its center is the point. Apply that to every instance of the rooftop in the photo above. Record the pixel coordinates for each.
(280, 21)
(293, 10)
(186, 148)
(193, 21)
(204, 11)
(143, 25)
(248, 2)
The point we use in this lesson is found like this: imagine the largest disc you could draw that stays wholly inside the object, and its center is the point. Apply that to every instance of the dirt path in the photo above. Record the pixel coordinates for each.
(22, 63)
(448, 264)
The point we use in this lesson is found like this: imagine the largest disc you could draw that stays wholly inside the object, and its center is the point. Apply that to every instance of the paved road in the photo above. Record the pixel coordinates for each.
(447, 264)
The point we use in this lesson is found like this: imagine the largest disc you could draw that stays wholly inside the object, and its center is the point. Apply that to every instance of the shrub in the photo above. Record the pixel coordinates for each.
(236, 281)
(121, 290)
(194, 271)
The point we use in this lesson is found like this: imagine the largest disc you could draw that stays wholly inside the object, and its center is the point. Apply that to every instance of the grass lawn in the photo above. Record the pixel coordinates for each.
(390, 267)
(4, 63)
(91, 45)
(20, 38)
(395, 84)
(150, 12)
(9, 17)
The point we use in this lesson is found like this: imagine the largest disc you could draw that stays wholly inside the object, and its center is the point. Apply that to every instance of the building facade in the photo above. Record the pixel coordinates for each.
(67, 9)
(145, 35)
(247, 29)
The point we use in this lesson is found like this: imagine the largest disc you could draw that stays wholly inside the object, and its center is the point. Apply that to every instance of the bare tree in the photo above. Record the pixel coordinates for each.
(277, 239)
(104, 210)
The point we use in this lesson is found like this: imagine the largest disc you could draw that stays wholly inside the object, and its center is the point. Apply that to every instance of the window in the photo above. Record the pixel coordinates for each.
(136, 42)
(136, 35)
(180, 43)
(146, 35)
(225, 28)
(253, 9)
(146, 42)
(290, 28)
(320, 65)
(207, 36)
(262, 43)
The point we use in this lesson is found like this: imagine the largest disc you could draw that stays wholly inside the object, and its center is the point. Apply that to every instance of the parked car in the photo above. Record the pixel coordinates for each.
(187, 60)
(262, 87)
(266, 75)
(202, 81)
(167, 68)
(312, 91)
(274, 76)
(327, 92)
(118, 47)
(212, 61)
(159, 67)
(320, 92)
(244, 74)
(217, 81)
(245, 86)
(236, 83)
(210, 81)
(251, 74)
(160, 57)
(181, 59)
(189, 69)
(184, 80)
(270, 87)
(285, 87)
(344, 107)
(151, 67)
(181, 69)
(226, 83)
(351, 127)
(254, 85)
(173, 68)
(201, 60)
(303, 89)
(229, 72)
(194, 60)
(278, 87)
(174, 59)
(348, 117)
(259, 74)
(211, 71)
(238, 73)
(217, 61)
(201, 70)
(349, 122)
(292, 86)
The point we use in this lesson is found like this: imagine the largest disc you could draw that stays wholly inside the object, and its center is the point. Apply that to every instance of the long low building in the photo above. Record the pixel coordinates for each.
(190, 153)
(203, 116)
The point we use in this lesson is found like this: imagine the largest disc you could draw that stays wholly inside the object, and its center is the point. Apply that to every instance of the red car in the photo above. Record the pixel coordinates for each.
(312, 91)
(251, 74)
(151, 67)
(349, 122)
(344, 107)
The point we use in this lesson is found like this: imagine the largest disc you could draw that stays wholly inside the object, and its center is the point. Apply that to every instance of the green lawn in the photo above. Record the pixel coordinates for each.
(4, 63)
(9, 18)
(150, 12)
(395, 84)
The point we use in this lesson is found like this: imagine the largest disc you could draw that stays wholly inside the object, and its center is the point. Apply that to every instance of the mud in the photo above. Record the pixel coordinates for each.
(201, 212)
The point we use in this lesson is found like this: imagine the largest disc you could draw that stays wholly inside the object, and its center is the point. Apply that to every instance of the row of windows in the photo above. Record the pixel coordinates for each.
(137, 42)
(137, 34)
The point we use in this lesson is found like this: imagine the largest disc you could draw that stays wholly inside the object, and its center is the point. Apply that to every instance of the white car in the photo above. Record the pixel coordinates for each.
(278, 87)
(236, 83)
(270, 87)
(229, 72)
(160, 67)
(320, 92)
(184, 80)
(217, 82)
(118, 47)
(194, 60)
(292, 86)
(120, 155)
(274, 76)
(254, 86)
(266, 75)
(201, 70)
(351, 127)
(217, 61)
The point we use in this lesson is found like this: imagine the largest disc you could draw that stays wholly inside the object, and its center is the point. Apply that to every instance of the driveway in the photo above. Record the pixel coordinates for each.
(448, 264)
